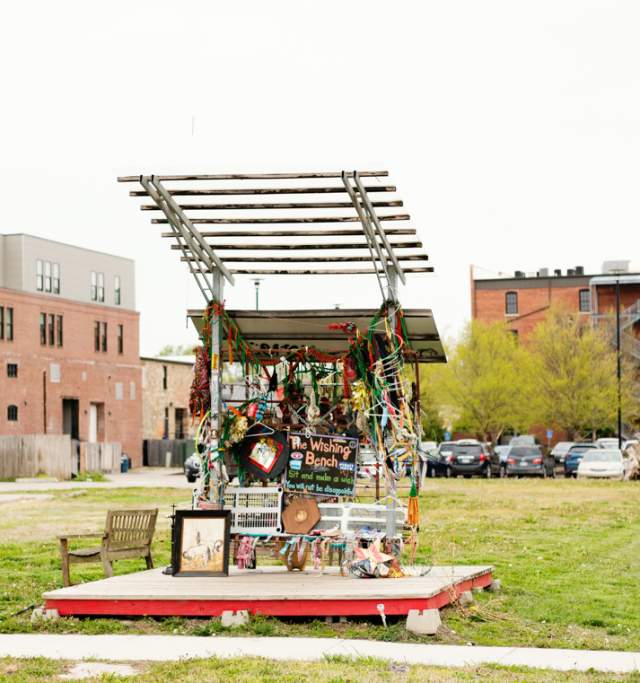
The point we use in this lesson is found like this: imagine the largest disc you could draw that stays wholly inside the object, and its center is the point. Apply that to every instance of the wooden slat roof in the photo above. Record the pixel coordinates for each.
(247, 249)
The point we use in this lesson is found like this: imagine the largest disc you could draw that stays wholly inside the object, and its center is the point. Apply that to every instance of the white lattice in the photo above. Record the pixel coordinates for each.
(254, 510)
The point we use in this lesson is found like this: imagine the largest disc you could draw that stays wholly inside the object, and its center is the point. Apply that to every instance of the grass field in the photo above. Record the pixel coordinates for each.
(332, 670)
(567, 552)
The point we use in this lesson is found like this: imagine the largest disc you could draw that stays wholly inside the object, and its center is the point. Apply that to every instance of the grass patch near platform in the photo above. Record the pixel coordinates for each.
(567, 553)
(332, 669)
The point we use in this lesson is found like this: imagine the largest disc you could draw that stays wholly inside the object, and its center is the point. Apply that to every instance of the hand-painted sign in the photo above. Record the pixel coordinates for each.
(321, 464)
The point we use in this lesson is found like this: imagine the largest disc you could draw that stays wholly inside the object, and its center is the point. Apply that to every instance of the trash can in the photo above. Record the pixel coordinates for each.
(124, 464)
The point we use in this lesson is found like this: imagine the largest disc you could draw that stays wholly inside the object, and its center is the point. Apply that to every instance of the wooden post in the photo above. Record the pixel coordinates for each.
(217, 286)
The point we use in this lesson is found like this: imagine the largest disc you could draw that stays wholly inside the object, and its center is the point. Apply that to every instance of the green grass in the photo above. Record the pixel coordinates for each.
(91, 476)
(567, 553)
(331, 670)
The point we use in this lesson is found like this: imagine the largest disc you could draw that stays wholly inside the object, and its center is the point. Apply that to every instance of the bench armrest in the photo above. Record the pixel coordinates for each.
(97, 534)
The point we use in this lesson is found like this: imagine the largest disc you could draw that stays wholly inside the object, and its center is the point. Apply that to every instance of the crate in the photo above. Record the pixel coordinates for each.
(351, 517)
(254, 510)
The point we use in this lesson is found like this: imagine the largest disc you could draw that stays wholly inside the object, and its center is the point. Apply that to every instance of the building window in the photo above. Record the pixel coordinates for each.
(103, 336)
(47, 276)
(39, 276)
(584, 300)
(12, 369)
(12, 413)
(117, 290)
(101, 287)
(94, 286)
(52, 329)
(9, 323)
(165, 432)
(120, 339)
(511, 303)
(43, 328)
(165, 378)
(55, 278)
(179, 427)
(59, 331)
(1, 323)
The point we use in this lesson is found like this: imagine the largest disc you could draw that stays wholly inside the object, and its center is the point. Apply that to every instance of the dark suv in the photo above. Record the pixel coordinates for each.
(470, 457)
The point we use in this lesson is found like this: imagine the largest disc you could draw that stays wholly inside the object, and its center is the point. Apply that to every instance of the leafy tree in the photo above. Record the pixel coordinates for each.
(574, 376)
(177, 350)
(483, 387)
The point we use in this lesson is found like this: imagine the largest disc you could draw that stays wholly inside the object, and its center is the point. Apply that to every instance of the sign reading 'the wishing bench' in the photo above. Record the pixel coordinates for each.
(321, 464)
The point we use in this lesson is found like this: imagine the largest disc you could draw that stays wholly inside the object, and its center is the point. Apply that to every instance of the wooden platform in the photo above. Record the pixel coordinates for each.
(267, 590)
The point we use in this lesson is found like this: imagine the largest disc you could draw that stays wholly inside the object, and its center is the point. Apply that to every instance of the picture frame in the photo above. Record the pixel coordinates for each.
(201, 543)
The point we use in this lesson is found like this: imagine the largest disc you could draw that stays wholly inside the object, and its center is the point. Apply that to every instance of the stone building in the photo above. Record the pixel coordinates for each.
(166, 382)
(69, 347)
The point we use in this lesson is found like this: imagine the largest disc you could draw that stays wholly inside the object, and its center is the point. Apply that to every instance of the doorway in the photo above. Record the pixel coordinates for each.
(71, 417)
(96, 423)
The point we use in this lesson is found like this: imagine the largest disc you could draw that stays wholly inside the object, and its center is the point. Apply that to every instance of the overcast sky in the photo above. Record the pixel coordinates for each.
(510, 129)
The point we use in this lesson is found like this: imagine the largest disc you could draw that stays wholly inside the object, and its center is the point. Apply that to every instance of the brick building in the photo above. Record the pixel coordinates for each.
(521, 301)
(166, 383)
(69, 343)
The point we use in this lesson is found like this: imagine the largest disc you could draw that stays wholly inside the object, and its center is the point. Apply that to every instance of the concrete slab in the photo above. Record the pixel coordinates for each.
(119, 648)
(86, 670)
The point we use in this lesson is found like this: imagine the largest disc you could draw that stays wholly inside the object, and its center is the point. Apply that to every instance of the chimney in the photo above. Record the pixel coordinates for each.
(557, 272)
(570, 272)
(543, 272)
(579, 270)
(519, 274)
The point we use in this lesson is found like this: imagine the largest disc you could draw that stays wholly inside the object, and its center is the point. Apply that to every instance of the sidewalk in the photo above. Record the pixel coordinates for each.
(170, 648)
(147, 477)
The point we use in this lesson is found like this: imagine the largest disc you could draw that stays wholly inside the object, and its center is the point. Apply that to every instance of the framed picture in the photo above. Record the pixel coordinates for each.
(201, 543)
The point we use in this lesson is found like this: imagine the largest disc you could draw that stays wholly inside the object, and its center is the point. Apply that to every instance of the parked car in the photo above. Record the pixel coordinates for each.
(574, 456)
(470, 457)
(602, 463)
(436, 463)
(607, 443)
(428, 446)
(192, 467)
(367, 461)
(560, 450)
(527, 461)
(523, 440)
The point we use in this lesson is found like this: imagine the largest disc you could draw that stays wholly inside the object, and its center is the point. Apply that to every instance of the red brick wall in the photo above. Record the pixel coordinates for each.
(85, 374)
(533, 304)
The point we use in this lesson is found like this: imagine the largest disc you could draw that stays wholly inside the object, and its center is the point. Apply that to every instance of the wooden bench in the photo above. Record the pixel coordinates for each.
(127, 534)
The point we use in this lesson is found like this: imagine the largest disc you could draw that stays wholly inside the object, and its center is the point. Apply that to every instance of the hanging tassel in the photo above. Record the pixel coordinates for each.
(413, 512)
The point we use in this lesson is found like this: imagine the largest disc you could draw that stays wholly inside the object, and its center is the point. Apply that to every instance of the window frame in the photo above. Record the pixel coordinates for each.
(43, 329)
(55, 278)
(511, 297)
(59, 331)
(165, 377)
(96, 336)
(100, 288)
(117, 290)
(2, 322)
(120, 339)
(39, 275)
(12, 370)
(581, 292)
(51, 329)
(93, 287)
(103, 337)
(9, 324)
(12, 413)
(47, 276)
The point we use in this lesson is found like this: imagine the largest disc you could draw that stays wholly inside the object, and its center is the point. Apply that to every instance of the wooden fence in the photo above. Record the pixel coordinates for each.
(100, 457)
(155, 452)
(33, 454)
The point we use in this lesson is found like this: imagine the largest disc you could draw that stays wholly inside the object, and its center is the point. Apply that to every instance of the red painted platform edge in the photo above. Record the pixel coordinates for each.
(274, 608)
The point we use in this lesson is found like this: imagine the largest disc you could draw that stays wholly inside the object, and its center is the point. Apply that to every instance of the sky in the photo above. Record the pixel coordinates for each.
(510, 128)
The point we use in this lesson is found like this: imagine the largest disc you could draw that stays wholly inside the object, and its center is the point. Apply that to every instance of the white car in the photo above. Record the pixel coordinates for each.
(602, 463)
(560, 450)
(609, 442)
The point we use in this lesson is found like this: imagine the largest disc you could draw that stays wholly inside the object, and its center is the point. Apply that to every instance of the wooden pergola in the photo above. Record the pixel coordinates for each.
(285, 224)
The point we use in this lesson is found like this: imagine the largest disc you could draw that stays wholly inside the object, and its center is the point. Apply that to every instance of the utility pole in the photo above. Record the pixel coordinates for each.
(257, 282)
(619, 368)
